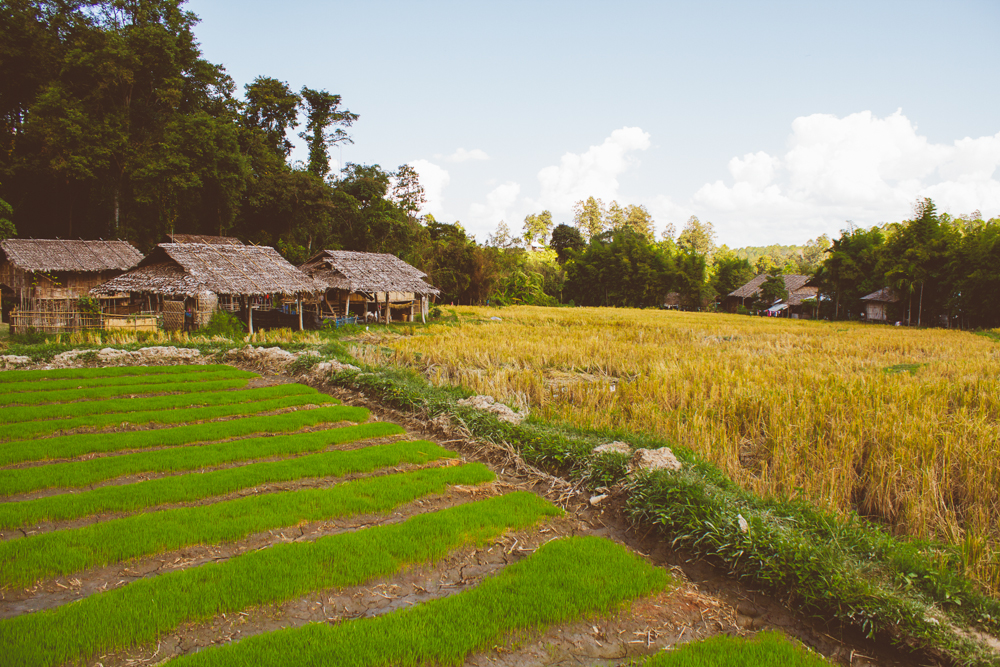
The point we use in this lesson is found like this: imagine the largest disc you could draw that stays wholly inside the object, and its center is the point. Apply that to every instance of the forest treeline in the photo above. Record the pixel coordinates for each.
(115, 126)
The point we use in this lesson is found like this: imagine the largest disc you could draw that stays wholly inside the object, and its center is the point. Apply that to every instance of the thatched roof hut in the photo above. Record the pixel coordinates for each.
(877, 304)
(189, 269)
(366, 272)
(55, 255)
(793, 282)
(203, 238)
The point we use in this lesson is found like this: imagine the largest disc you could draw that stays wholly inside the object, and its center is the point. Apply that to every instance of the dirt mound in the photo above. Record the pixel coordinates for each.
(490, 404)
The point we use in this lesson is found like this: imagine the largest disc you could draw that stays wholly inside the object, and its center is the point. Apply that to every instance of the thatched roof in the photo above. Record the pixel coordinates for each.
(366, 272)
(795, 298)
(203, 238)
(74, 256)
(186, 269)
(793, 282)
(885, 295)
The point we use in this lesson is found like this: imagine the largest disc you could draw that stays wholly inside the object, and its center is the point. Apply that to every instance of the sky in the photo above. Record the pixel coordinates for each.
(775, 121)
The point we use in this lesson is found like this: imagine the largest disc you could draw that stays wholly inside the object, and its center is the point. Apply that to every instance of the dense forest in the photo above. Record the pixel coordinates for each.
(115, 126)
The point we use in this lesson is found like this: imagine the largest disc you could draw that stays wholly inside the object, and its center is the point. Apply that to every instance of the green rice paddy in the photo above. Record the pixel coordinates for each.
(108, 371)
(97, 393)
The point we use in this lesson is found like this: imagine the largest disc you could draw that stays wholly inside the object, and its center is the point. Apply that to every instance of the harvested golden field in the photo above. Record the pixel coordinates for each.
(898, 424)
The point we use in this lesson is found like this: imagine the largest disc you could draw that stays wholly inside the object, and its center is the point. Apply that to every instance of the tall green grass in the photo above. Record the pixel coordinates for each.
(106, 371)
(142, 611)
(177, 459)
(26, 560)
(197, 486)
(93, 383)
(15, 415)
(69, 446)
(563, 580)
(26, 430)
(67, 395)
(766, 649)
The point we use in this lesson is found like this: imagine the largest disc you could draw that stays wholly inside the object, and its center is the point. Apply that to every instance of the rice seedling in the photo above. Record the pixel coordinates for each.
(69, 446)
(564, 579)
(787, 408)
(106, 372)
(26, 430)
(188, 488)
(28, 559)
(91, 383)
(97, 393)
(14, 415)
(765, 649)
(178, 459)
(143, 610)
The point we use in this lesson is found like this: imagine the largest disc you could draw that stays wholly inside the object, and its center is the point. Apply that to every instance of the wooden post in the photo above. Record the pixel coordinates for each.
(423, 309)
(298, 304)
(250, 316)
(387, 319)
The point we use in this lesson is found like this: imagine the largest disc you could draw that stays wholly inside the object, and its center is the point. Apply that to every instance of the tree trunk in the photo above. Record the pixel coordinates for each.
(920, 308)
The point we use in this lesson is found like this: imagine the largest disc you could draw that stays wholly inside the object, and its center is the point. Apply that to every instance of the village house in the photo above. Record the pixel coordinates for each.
(42, 280)
(796, 285)
(877, 304)
(255, 282)
(359, 283)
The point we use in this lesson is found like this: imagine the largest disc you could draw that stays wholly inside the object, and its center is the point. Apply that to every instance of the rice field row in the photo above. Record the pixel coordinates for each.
(245, 519)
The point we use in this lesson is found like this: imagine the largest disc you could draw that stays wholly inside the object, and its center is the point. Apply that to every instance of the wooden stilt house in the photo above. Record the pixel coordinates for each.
(878, 303)
(253, 281)
(366, 283)
(42, 280)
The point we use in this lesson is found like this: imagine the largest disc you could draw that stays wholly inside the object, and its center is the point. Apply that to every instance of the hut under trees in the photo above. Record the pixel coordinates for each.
(877, 304)
(795, 284)
(42, 280)
(359, 283)
(212, 276)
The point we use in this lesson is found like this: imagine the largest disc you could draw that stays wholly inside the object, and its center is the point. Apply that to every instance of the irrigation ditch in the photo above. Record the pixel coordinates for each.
(701, 600)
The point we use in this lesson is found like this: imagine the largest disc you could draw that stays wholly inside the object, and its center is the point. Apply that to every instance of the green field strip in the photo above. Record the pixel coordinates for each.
(26, 560)
(16, 415)
(179, 459)
(67, 395)
(144, 610)
(564, 580)
(60, 385)
(197, 486)
(765, 649)
(69, 446)
(28, 430)
(106, 371)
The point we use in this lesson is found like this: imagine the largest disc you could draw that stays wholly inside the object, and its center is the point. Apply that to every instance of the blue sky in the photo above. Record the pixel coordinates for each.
(776, 121)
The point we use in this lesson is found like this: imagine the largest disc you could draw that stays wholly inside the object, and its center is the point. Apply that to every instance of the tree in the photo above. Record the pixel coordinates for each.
(270, 109)
(697, 236)
(773, 290)
(407, 191)
(731, 273)
(537, 228)
(7, 229)
(639, 219)
(502, 237)
(322, 114)
(589, 217)
(853, 269)
(565, 241)
(614, 217)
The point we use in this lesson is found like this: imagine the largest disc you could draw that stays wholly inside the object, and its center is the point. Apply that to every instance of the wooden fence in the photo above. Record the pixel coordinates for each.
(53, 321)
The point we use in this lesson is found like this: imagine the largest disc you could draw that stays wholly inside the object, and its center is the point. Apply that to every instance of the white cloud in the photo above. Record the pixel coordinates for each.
(497, 207)
(860, 167)
(593, 173)
(434, 179)
(462, 155)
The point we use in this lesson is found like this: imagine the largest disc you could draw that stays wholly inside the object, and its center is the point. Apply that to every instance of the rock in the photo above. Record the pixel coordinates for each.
(325, 369)
(742, 523)
(489, 404)
(597, 500)
(13, 360)
(262, 356)
(616, 447)
(655, 459)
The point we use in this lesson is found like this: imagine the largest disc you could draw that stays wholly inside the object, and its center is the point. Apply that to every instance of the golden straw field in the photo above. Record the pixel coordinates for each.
(902, 425)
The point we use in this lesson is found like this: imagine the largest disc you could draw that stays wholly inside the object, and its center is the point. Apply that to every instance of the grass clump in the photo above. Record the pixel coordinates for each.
(68, 446)
(178, 459)
(766, 649)
(98, 393)
(564, 579)
(14, 415)
(27, 430)
(224, 325)
(188, 488)
(62, 552)
(92, 383)
(141, 611)
(107, 372)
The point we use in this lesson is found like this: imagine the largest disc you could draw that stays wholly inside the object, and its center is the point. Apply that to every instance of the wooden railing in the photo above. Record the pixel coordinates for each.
(55, 321)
